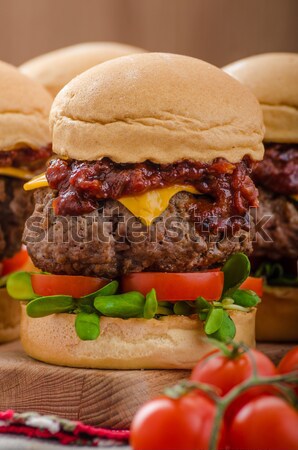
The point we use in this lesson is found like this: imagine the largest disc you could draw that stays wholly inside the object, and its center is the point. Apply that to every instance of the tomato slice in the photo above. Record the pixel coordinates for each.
(176, 286)
(15, 263)
(73, 285)
(253, 284)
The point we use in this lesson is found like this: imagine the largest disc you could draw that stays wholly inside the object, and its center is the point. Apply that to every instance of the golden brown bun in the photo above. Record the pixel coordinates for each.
(156, 106)
(273, 78)
(55, 69)
(174, 342)
(9, 317)
(24, 111)
(277, 315)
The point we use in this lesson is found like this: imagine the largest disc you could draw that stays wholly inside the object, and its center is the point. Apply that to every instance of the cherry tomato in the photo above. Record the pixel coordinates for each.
(226, 372)
(176, 286)
(15, 263)
(180, 424)
(76, 286)
(289, 363)
(253, 284)
(266, 422)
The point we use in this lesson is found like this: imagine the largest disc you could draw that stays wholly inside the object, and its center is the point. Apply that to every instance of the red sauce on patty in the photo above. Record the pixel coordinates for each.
(227, 188)
(25, 157)
(278, 172)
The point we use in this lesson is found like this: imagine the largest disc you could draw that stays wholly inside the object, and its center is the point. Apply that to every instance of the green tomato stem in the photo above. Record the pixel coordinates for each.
(186, 386)
(215, 433)
(223, 403)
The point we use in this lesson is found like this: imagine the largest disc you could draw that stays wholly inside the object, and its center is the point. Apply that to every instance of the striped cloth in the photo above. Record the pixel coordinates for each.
(66, 432)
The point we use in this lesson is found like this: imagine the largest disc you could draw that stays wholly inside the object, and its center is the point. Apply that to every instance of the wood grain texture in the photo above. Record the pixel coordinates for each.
(98, 397)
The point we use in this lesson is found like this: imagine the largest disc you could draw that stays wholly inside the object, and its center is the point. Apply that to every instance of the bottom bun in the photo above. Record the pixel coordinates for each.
(277, 316)
(9, 317)
(172, 342)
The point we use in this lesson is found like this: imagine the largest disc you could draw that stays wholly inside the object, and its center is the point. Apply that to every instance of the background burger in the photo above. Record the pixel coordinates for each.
(151, 187)
(24, 149)
(55, 69)
(273, 78)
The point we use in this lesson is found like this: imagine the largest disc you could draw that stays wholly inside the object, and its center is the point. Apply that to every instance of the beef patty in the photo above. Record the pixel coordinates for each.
(16, 205)
(281, 227)
(110, 241)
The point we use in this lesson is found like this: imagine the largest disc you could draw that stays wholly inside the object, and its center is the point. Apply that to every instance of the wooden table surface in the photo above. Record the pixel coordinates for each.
(106, 398)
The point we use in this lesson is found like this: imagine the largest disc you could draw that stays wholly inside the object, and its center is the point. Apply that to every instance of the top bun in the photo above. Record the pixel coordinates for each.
(24, 111)
(55, 69)
(156, 106)
(273, 78)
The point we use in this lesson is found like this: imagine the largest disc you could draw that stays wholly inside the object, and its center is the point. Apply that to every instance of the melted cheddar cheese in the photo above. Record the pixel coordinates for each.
(36, 182)
(153, 203)
(15, 172)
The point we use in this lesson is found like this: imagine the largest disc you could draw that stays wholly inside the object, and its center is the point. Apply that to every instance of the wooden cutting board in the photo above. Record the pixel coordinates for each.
(106, 398)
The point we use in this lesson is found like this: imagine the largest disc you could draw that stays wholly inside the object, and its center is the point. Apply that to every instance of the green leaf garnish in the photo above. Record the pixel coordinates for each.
(227, 330)
(214, 320)
(151, 305)
(183, 309)
(108, 289)
(246, 298)
(218, 323)
(202, 304)
(203, 316)
(125, 306)
(203, 308)
(235, 270)
(164, 311)
(84, 307)
(165, 304)
(275, 275)
(87, 326)
(19, 286)
(45, 306)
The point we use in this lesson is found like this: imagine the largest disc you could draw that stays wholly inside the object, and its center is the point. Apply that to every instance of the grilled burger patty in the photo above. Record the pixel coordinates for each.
(79, 227)
(15, 207)
(277, 179)
(110, 241)
(281, 228)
